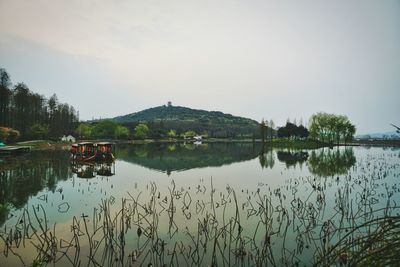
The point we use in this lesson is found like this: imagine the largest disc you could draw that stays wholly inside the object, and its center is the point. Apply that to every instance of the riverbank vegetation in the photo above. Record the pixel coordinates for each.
(331, 128)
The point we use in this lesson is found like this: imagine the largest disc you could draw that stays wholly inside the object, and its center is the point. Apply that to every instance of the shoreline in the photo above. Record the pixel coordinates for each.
(42, 145)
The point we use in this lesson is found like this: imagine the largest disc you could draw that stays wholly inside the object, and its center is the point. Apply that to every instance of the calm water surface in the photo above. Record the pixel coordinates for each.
(195, 205)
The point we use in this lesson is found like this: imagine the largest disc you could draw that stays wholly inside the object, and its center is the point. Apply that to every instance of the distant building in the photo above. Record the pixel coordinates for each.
(169, 104)
(197, 137)
(68, 138)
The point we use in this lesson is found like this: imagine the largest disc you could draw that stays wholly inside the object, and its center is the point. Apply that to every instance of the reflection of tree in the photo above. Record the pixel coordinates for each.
(266, 157)
(331, 162)
(25, 176)
(168, 158)
(291, 158)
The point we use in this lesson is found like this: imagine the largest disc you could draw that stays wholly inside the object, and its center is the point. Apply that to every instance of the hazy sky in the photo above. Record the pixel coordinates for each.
(259, 59)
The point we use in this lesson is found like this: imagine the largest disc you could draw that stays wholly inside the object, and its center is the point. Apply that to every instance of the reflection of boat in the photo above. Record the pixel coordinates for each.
(87, 151)
(92, 169)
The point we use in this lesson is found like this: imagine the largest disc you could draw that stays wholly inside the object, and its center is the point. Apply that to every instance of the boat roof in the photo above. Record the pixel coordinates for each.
(85, 144)
(104, 143)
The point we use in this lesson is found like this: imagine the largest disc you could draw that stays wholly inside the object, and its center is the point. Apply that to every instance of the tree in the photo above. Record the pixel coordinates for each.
(291, 130)
(172, 133)
(84, 130)
(330, 127)
(21, 108)
(189, 134)
(39, 131)
(105, 129)
(141, 131)
(263, 127)
(5, 95)
(271, 128)
(121, 132)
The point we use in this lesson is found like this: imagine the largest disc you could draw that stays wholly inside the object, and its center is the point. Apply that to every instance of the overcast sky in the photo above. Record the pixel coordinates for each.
(258, 59)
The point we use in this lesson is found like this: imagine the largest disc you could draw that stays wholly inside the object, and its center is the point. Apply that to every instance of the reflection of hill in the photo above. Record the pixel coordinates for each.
(179, 157)
(329, 162)
(25, 176)
(291, 158)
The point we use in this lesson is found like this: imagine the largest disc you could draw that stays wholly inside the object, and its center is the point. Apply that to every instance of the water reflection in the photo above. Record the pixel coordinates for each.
(266, 157)
(89, 170)
(178, 157)
(329, 162)
(292, 158)
(25, 176)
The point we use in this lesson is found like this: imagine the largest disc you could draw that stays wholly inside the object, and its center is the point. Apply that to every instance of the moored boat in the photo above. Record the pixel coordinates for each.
(88, 151)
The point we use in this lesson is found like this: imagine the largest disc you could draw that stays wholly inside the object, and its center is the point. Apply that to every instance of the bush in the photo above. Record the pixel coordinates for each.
(9, 135)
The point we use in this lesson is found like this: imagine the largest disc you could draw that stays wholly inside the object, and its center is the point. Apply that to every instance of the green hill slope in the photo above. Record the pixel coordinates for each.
(214, 123)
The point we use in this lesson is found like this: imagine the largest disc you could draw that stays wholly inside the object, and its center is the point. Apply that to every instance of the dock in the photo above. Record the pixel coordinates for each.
(8, 150)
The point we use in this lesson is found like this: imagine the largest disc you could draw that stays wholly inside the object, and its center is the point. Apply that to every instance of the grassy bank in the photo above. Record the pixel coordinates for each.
(297, 144)
(45, 145)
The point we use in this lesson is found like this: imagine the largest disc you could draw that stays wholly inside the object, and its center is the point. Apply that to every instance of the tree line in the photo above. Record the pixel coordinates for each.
(324, 127)
(331, 128)
(31, 114)
(291, 130)
(112, 130)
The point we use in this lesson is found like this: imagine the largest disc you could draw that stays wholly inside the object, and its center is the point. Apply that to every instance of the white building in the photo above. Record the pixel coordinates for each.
(68, 138)
(197, 137)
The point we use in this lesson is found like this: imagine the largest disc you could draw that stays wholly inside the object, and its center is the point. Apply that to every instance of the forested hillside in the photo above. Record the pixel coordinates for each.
(181, 119)
(32, 114)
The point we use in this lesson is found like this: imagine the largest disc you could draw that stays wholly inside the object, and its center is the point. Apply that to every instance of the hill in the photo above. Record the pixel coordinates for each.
(387, 136)
(213, 123)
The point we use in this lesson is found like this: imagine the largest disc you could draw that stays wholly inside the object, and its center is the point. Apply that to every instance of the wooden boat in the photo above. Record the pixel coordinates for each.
(104, 151)
(88, 151)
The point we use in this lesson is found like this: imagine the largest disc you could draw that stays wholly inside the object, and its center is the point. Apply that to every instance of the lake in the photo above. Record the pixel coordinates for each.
(216, 204)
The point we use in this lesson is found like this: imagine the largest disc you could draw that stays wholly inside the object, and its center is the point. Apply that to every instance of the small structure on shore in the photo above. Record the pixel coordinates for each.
(88, 151)
(197, 137)
(68, 138)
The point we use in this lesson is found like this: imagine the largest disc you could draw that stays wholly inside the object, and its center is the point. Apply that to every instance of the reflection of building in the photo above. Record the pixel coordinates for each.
(91, 170)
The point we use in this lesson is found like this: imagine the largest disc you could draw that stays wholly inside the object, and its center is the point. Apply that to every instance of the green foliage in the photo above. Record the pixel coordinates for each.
(39, 131)
(189, 134)
(20, 108)
(84, 130)
(105, 129)
(37, 263)
(263, 130)
(292, 130)
(330, 127)
(9, 135)
(298, 144)
(171, 133)
(121, 132)
(4, 208)
(215, 124)
(141, 131)
(102, 129)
